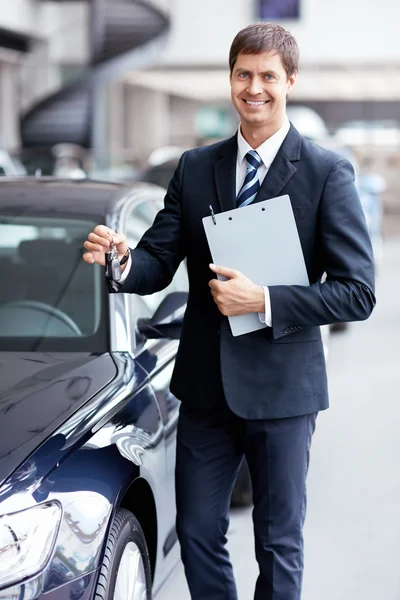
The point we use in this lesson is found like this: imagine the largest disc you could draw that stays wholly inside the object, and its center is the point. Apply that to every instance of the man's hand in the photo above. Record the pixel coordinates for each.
(238, 295)
(98, 243)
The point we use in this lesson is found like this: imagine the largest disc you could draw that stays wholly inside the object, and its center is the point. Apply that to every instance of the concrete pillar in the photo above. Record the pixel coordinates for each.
(99, 142)
(9, 106)
(183, 119)
(147, 121)
(116, 122)
(40, 77)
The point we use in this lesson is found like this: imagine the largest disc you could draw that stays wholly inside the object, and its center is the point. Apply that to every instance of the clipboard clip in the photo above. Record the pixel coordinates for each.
(212, 214)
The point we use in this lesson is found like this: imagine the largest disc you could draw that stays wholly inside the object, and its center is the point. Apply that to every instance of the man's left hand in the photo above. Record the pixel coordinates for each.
(237, 295)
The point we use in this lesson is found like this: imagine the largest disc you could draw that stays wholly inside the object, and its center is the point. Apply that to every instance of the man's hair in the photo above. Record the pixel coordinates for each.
(266, 37)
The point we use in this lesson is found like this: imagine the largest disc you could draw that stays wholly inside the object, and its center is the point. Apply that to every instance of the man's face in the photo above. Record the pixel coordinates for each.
(259, 85)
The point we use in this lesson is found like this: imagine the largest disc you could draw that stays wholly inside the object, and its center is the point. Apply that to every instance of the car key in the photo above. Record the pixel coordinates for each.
(113, 268)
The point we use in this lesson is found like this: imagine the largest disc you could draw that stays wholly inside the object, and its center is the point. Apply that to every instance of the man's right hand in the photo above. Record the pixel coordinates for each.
(98, 243)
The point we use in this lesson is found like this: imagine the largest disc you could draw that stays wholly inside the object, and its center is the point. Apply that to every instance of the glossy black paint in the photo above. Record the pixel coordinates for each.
(54, 197)
(92, 431)
(38, 392)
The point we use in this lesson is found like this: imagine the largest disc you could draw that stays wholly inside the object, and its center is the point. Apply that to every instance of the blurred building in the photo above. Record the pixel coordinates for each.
(124, 78)
(58, 62)
(350, 57)
(40, 42)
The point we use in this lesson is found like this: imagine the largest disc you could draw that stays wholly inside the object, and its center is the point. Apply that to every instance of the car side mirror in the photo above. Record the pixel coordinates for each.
(166, 323)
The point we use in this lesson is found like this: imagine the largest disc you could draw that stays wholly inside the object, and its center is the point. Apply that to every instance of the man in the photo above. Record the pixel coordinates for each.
(257, 394)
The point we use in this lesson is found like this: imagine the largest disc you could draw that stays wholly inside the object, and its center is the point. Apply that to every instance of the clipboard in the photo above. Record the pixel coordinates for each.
(260, 240)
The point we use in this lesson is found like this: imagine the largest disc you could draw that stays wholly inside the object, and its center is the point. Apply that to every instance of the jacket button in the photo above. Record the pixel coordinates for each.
(218, 331)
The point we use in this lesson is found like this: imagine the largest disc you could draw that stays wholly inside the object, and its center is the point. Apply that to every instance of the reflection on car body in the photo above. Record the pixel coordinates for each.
(88, 423)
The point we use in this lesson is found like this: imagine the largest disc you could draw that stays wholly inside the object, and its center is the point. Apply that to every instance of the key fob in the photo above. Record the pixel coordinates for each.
(113, 268)
(116, 270)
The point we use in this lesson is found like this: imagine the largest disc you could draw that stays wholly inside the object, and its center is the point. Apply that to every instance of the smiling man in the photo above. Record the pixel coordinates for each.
(260, 85)
(255, 395)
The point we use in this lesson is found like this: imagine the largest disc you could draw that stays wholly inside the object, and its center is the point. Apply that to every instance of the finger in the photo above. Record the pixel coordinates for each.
(104, 231)
(109, 234)
(94, 257)
(217, 298)
(93, 247)
(99, 241)
(119, 238)
(225, 271)
(88, 258)
(216, 285)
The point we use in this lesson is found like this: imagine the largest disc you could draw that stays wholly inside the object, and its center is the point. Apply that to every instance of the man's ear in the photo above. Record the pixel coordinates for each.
(291, 82)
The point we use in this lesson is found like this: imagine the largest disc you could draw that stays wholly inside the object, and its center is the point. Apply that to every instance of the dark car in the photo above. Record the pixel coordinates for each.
(88, 424)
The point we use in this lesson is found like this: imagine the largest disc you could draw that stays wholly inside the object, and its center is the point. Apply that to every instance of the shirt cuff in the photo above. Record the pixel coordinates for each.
(266, 317)
(125, 273)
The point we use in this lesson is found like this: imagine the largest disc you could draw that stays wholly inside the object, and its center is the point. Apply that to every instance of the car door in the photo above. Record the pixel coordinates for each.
(157, 356)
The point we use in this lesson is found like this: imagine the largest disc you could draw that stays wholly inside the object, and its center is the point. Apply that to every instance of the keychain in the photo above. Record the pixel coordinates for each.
(113, 268)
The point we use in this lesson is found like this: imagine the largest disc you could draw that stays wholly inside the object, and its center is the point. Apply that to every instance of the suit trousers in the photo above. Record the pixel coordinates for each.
(210, 447)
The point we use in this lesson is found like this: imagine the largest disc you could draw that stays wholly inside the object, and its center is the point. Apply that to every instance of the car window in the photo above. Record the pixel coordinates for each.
(50, 299)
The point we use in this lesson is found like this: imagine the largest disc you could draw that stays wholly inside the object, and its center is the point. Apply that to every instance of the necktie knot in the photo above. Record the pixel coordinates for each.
(253, 160)
(251, 183)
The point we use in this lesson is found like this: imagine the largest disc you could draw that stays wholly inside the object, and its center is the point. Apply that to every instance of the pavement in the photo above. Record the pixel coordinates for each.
(352, 531)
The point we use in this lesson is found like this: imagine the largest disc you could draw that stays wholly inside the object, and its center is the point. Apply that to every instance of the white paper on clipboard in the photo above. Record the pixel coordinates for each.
(260, 240)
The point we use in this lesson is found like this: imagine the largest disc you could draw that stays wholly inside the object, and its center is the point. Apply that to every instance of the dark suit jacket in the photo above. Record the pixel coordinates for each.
(280, 371)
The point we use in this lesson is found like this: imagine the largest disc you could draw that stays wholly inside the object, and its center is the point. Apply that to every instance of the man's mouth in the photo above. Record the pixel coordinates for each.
(255, 102)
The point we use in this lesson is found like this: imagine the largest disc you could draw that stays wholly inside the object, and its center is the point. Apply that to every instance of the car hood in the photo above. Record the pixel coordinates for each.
(38, 392)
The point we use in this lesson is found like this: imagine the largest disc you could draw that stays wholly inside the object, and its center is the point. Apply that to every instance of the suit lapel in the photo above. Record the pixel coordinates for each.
(279, 174)
(225, 174)
(282, 168)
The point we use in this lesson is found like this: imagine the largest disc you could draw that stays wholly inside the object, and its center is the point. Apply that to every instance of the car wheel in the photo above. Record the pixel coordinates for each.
(242, 494)
(125, 573)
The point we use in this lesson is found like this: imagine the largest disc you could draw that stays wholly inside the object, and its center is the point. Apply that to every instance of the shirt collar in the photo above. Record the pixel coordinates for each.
(268, 149)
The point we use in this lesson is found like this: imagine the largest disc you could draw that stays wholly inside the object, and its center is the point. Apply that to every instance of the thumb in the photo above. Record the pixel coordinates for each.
(225, 271)
(119, 238)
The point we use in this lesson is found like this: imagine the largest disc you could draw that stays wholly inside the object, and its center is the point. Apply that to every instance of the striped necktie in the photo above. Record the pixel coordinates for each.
(251, 183)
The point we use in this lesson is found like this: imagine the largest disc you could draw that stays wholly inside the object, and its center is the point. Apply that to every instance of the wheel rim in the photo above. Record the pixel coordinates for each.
(131, 576)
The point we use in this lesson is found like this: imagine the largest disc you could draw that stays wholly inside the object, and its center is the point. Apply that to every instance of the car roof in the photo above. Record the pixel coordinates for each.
(49, 195)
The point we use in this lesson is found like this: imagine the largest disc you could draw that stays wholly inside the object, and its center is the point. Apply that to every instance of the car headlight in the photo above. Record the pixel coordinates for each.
(26, 541)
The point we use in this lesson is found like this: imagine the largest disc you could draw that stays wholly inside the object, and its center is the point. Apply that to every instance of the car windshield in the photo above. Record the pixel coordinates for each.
(50, 299)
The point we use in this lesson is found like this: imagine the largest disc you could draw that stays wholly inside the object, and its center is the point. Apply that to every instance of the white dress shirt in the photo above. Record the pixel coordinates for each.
(267, 152)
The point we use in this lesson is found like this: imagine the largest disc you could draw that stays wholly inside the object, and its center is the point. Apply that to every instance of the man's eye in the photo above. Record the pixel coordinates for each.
(243, 75)
(269, 77)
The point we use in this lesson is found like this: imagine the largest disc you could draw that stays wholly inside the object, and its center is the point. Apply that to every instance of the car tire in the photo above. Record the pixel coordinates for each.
(125, 552)
(242, 494)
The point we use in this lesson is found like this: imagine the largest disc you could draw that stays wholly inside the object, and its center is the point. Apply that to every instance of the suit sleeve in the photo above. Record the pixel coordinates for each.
(160, 251)
(346, 256)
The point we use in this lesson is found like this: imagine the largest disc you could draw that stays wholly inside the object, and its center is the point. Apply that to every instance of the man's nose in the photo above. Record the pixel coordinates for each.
(255, 87)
